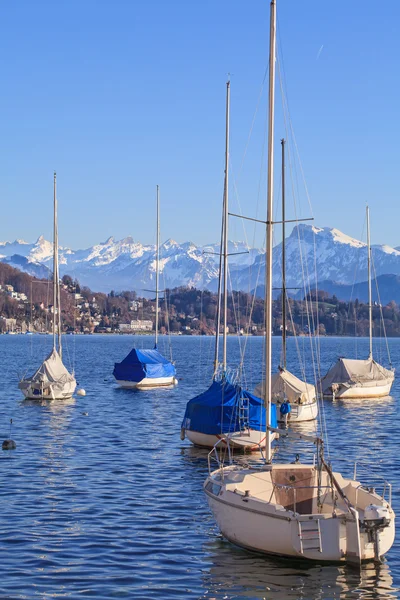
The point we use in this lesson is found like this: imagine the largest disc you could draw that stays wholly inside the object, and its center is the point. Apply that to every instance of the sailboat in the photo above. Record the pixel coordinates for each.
(143, 369)
(225, 409)
(292, 509)
(355, 378)
(52, 380)
(285, 386)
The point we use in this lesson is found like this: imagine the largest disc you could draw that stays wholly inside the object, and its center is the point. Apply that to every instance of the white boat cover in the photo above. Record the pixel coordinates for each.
(52, 377)
(286, 385)
(356, 373)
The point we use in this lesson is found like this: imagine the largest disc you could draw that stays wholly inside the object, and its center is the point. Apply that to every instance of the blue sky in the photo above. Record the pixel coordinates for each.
(119, 96)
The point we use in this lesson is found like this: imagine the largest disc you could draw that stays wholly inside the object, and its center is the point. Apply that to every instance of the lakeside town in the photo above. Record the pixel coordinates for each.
(26, 307)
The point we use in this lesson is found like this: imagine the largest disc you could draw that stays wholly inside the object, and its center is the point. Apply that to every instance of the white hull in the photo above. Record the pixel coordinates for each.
(148, 382)
(236, 440)
(48, 393)
(250, 440)
(358, 391)
(249, 513)
(299, 412)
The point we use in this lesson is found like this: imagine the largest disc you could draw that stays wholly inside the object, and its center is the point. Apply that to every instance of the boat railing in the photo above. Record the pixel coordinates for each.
(223, 450)
(215, 454)
(384, 487)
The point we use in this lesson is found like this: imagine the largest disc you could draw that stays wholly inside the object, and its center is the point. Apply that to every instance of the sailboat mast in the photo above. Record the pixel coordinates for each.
(225, 221)
(283, 260)
(55, 252)
(369, 284)
(216, 350)
(157, 259)
(268, 256)
(222, 245)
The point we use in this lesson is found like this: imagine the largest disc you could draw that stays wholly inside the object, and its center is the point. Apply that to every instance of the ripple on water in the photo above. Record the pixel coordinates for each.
(110, 505)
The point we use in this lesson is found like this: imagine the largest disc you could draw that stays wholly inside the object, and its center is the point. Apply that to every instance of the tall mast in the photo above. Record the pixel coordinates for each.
(216, 350)
(268, 256)
(157, 259)
(55, 252)
(369, 285)
(283, 260)
(225, 221)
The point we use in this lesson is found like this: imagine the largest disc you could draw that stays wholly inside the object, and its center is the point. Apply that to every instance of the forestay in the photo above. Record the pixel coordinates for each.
(218, 410)
(143, 363)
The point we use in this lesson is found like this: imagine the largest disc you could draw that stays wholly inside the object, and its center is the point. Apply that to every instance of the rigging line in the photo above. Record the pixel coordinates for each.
(248, 248)
(254, 295)
(201, 320)
(381, 312)
(250, 267)
(287, 120)
(352, 292)
(294, 198)
(261, 173)
(166, 317)
(242, 164)
(236, 319)
(258, 189)
(254, 119)
(217, 319)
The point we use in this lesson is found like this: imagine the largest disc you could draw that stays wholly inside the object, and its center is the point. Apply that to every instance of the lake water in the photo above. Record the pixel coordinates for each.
(109, 504)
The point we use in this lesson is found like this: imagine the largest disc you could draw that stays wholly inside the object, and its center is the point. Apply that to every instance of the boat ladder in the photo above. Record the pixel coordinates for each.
(309, 535)
(244, 410)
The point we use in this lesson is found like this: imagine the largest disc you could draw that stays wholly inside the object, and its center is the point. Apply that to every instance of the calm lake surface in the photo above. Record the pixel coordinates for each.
(109, 504)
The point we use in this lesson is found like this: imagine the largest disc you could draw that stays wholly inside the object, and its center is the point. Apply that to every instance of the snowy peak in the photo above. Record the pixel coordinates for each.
(328, 234)
(129, 264)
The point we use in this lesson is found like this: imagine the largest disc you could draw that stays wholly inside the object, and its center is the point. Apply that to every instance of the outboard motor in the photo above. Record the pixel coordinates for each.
(375, 519)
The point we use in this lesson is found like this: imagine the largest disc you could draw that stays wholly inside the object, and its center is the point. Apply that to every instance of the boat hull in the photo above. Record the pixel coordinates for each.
(358, 392)
(250, 441)
(259, 525)
(48, 393)
(148, 382)
(299, 412)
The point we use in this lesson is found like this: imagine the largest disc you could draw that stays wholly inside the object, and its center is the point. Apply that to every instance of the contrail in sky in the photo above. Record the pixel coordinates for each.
(319, 52)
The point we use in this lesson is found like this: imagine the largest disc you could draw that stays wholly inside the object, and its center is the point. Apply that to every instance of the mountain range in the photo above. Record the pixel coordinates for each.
(317, 254)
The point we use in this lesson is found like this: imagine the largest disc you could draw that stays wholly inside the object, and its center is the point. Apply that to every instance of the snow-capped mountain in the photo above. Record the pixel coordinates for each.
(128, 264)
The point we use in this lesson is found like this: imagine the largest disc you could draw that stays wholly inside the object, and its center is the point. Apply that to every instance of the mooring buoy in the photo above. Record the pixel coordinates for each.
(9, 444)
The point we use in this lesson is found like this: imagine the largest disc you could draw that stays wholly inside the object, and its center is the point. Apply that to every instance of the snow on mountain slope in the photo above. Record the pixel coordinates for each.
(332, 254)
(127, 264)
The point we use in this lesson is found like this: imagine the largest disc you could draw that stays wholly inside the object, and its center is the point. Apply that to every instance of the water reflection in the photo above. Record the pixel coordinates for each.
(234, 573)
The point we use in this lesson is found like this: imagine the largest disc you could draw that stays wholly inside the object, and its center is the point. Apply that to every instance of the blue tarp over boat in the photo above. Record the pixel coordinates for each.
(143, 363)
(216, 410)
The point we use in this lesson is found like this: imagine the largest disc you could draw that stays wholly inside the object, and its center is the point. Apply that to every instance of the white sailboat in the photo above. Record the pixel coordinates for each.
(225, 409)
(355, 378)
(296, 510)
(52, 380)
(284, 385)
(143, 369)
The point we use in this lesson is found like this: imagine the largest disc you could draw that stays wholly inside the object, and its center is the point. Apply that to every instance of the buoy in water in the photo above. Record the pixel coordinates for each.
(81, 392)
(9, 445)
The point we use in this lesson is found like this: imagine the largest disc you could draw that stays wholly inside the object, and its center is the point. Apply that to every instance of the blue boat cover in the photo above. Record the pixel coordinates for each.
(143, 363)
(216, 410)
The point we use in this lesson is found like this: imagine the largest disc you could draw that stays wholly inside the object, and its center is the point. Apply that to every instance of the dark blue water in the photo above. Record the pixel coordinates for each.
(109, 504)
